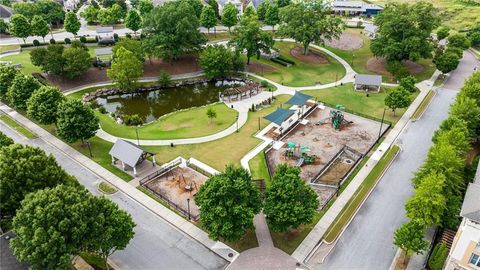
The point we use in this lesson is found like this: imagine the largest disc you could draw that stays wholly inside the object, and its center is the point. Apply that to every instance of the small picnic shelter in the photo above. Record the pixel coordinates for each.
(367, 82)
(129, 154)
(105, 35)
(103, 56)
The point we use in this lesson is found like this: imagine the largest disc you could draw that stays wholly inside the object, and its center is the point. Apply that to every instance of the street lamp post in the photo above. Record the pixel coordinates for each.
(188, 207)
(381, 123)
(136, 132)
(89, 149)
(237, 122)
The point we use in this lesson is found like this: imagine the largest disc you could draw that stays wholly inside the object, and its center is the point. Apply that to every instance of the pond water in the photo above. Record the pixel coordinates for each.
(154, 104)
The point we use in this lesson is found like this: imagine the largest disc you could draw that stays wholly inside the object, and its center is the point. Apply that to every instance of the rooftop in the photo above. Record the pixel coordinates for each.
(279, 116)
(127, 152)
(367, 79)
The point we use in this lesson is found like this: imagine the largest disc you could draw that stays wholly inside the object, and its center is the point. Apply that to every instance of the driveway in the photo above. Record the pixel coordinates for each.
(367, 241)
(156, 245)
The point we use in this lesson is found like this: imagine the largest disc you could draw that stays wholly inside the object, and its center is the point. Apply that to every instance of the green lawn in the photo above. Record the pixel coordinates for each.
(5, 48)
(301, 74)
(15, 125)
(419, 111)
(106, 188)
(356, 101)
(258, 168)
(94, 260)
(183, 124)
(354, 203)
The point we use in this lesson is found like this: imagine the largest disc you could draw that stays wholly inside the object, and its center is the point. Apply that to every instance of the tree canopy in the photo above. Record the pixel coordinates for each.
(71, 23)
(19, 26)
(409, 237)
(228, 201)
(133, 20)
(272, 16)
(399, 97)
(289, 201)
(309, 21)
(217, 61)
(208, 19)
(7, 74)
(229, 17)
(70, 62)
(21, 89)
(126, 69)
(42, 105)
(40, 26)
(75, 121)
(404, 31)
(145, 6)
(5, 140)
(90, 14)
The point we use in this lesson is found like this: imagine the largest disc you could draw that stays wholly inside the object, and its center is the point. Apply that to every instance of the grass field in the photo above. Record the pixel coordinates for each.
(4, 48)
(183, 124)
(258, 168)
(106, 188)
(15, 125)
(372, 105)
(354, 203)
(419, 111)
(301, 74)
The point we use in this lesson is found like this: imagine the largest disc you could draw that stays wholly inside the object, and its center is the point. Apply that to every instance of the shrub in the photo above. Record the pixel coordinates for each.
(438, 257)
(164, 79)
(115, 36)
(128, 35)
(132, 120)
(264, 84)
(83, 39)
(67, 41)
(286, 60)
(52, 41)
(102, 110)
(281, 62)
(36, 43)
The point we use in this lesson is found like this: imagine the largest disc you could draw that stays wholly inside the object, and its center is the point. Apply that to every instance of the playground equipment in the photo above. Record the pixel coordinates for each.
(337, 118)
(187, 185)
(299, 153)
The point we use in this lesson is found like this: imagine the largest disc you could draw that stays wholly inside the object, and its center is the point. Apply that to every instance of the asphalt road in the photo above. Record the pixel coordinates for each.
(367, 241)
(156, 245)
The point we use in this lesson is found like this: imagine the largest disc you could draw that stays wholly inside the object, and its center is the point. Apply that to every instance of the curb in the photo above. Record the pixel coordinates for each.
(426, 107)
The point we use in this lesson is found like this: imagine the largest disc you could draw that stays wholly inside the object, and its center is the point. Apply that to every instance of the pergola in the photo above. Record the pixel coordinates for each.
(129, 154)
(367, 82)
(241, 91)
(103, 55)
(105, 34)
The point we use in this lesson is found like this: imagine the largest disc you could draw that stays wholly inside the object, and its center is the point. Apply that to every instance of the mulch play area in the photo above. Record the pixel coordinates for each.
(347, 41)
(378, 65)
(313, 56)
(256, 67)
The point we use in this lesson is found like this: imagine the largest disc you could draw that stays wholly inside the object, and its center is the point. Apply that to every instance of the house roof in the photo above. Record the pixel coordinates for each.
(367, 79)
(279, 116)
(299, 99)
(127, 152)
(5, 12)
(103, 51)
(372, 28)
(471, 203)
(7, 259)
(104, 29)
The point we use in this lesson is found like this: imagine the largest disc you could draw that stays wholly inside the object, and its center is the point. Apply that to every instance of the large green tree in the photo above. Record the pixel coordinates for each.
(90, 14)
(145, 6)
(7, 74)
(173, 30)
(71, 23)
(459, 41)
(228, 201)
(410, 238)
(398, 98)
(467, 109)
(404, 31)
(77, 62)
(447, 61)
(132, 45)
(262, 9)
(50, 227)
(21, 89)
(19, 26)
(471, 88)
(197, 6)
(309, 21)
(272, 16)
(443, 32)
(40, 26)
(208, 18)
(133, 21)
(219, 61)
(289, 201)
(27, 9)
(42, 105)
(51, 11)
(229, 17)
(249, 36)
(5, 140)
(117, 13)
(25, 169)
(49, 59)
(126, 69)
(75, 121)
(214, 5)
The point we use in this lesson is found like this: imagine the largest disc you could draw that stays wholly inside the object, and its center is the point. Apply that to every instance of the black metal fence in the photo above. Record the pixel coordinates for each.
(198, 169)
(163, 170)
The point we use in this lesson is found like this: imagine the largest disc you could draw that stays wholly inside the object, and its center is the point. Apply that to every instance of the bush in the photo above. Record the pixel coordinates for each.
(83, 39)
(36, 43)
(52, 41)
(128, 35)
(115, 36)
(164, 79)
(281, 62)
(132, 120)
(264, 84)
(102, 110)
(67, 41)
(142, 36)
(438, 257)
(286, 60)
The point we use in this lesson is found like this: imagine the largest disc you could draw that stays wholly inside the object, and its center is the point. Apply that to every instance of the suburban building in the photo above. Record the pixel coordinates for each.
(355, 8)
(465, 251)
(367, 82)
(370, 30)
(129, 155)
(5, 13)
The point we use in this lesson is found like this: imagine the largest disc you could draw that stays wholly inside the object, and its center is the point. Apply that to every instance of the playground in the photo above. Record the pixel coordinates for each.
(176, 186)
(317, 142)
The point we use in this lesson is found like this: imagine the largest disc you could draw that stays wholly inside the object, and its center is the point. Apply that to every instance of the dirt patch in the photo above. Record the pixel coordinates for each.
(347, 42)
(93, 75)
(378, 66)
(256, 67)
(313, 57)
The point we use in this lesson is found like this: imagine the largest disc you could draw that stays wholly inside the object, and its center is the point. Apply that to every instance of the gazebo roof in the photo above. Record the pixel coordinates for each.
(366, 79)
(104, 30)
(128, 152)
(299, 99)
(279, 116)
(103, 51)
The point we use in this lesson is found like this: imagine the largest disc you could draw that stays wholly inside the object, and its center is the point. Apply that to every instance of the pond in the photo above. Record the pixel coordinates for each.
(154, 104)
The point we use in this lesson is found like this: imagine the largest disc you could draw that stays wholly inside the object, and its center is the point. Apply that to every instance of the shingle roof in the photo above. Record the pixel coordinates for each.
(299, 99)
(367, 79)
(279, 116)
(5, 12)
(372, 28)
(7, 259)
(471, 203)
(104, 30)
(126, 152)
(103, 51)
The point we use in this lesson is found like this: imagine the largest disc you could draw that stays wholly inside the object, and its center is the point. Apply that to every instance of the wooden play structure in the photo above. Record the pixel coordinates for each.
(336, 118)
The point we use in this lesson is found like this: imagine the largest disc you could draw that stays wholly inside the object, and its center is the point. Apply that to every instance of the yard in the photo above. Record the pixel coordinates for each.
(304, 72)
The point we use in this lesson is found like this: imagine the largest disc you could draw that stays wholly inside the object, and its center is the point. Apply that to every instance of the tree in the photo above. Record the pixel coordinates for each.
(408, 83)
(21, 89)
(126, 69)
(42, 105)
(409, 238)
(3, 27)
(27, 9)
(77, 62)
(50, 228)
(197, 6)
(214, 5)
(262, 9)
(117, 12)
(40, 27)
(51, 11)
(228, 201)
(249, 12)
(145, 6)
(467, 109)
(7, 75)
(289, 201)
(50, 60)
(471, 88)
(25, 169)
(218, 61)
(110, 228)
(164, 79)
(459, 41)
(447, 62)
(428, 202)
(309, 21)
(475, 38)
(20, 26)
(249, 37)
(71, 23)
(131, 45)
(5, 140)
(443, 32)
(438, 256)
(133, 21)
(90, 14)
(271, 16)
(283, 3)
(229, 17)
(172, 30)
(208, 18)
(456, 135)
(105, 16)
(404, 31)
(211, 114)
(398, 98)
(75, 121)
